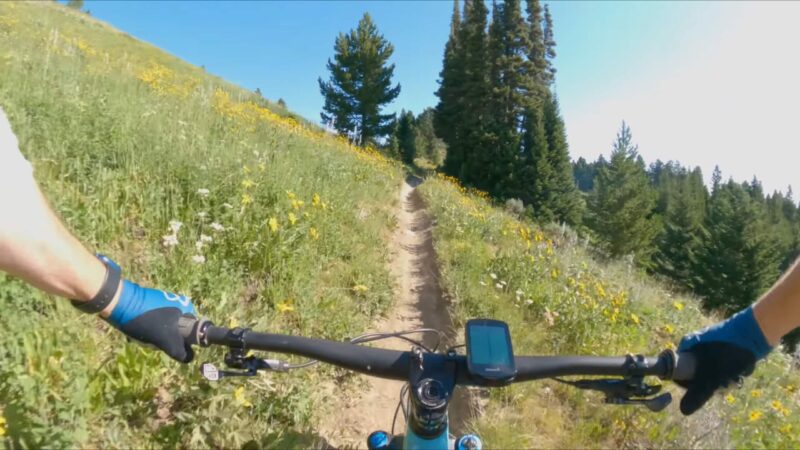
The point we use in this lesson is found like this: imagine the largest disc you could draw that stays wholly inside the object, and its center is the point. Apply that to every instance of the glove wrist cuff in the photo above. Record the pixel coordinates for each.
(107, 291)
(751, 331)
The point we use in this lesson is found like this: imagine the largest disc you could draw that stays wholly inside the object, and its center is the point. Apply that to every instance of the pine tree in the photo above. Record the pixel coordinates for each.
(406, 137)
(564, 199)
(538, 53)
(536, 169)
(621, 205)
(738, 260)
(360, 83)
(549, 47)
(683, 206)
(476, 90)
(450, 110)
(427, 144)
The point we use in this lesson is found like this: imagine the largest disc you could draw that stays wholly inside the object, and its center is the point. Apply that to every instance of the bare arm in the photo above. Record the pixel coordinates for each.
(778, 311)
(34, 245)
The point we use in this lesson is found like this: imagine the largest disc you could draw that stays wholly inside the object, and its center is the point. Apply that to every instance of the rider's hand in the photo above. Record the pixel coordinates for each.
(151, 317)
(725, 353)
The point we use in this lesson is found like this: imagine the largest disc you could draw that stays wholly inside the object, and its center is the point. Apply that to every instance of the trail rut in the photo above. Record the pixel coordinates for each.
(419, 304)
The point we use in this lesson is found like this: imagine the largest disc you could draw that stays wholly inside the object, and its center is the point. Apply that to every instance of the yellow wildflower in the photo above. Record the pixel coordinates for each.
(678, 305)
(668, 329)
(554, 273)
(777, 405)
(755, 393)
(233, 323)
(2, 426)
(297, 204)
(273, 224)
(262, 167)
(786, 429)
(790, 388)
(285, 306)
(315, 200)
(238, 395)
(730, 399)
(360, 289)
(635, 318)
(246, 199)
(313, 233)
(291, 195)
(292, 218)
(246, 169)
(755, 415)
(248, 183)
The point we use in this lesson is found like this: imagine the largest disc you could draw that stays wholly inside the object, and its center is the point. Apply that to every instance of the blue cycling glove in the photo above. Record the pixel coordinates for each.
(151, 316)
(725, 353)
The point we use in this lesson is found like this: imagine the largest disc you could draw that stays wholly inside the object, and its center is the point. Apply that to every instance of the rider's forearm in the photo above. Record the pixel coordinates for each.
(35, 246)
(778, 311)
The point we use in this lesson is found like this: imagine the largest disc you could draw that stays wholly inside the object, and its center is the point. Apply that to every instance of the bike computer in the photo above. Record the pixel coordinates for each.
(490, 357)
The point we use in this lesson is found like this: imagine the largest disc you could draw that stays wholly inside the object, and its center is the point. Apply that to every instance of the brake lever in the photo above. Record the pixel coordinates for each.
(654, 404)
(626, 391)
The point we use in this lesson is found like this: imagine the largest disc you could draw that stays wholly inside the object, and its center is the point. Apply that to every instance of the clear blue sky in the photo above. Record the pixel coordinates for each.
(673, 70)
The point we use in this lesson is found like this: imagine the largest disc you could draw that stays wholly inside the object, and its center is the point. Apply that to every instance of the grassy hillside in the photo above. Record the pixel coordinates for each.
(558, 300)
(125, 139)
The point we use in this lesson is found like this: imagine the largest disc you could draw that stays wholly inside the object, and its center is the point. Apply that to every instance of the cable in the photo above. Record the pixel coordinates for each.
(403, 392)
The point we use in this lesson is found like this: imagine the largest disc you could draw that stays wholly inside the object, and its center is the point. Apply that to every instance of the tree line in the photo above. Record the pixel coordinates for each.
(728, 243)
(497, 127)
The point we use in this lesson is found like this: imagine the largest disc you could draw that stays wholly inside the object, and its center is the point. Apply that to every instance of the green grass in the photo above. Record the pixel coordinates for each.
(558, 300)
(122, 138)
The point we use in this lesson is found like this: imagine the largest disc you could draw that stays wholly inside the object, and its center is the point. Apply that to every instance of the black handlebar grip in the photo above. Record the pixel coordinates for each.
(685, 366)
(189, 326)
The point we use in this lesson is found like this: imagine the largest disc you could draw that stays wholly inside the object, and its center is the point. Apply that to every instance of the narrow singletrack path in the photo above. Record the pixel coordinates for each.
(419, 304)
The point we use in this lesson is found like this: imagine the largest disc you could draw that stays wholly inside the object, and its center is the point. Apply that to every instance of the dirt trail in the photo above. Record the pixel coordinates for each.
(419, 304)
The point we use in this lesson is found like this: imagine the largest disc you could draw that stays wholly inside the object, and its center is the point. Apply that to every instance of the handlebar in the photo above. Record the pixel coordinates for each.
(391, 364)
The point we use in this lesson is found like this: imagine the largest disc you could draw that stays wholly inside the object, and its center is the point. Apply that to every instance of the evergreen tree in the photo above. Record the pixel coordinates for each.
(538, 49)
(406, 137)
(360, 83)
(512, 89)
(450, 110)
(564, 199)
(549, 47)
(537, 172)
(584, 172)
(683, 200)
(621, 205)
(75, 4)
(476, 96)
(738, 260)
(427, 144)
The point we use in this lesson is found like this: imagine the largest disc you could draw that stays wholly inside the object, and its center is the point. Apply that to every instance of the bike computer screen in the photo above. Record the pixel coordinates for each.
(490, 357)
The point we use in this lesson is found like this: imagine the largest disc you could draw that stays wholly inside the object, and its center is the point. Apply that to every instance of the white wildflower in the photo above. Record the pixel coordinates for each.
(203, 192)
(519, 293)
(528, 302)
(199, 246)
(175, 226)
(217, 227)
(206, 239)
(199, 259)
(227, 206)
(498, 286)
(170, 240)
(503, 283)
(494, 276)
(202, 214)
(482, 283)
